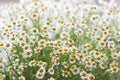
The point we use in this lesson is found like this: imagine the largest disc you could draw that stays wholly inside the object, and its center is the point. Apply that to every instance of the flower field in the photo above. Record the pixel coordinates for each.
(60, 40)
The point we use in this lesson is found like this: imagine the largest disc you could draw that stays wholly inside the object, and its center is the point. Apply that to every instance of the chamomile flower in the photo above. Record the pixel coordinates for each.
(20, 69)
(1, 60)
(115, 56)
(34, 30)
(83, 74)
(21, 38)
(21, 78)
(72, 60)
(65, 73)
(64, 35)
(102, 65)
(10, 68)
(26, 47)
(2, 77)
(65, 64)
(88, 64)
(94, 18)
(15, 63)
(41, 70)
(65, 50)
(56, 61)
(41, 43)
(34, 16)
(42, 64)
(1, 44)
(51, 71)
(44, 28)
(75, 71)
(32, 63)
(27, 54)
(39, 75)
(85, 78)
(34, 38)
(53, 29)
(73, 49)
(37, 49)
(51, 78)
(115, 69)
(91, 76)
(8, 45)
(79, 32)
(1, 67)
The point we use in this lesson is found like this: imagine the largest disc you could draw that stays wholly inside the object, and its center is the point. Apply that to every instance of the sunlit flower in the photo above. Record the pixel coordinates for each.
(65, 64)
(39, 75)
(51, 78)
(64, 35)
(41, 43)
(37, 49)
(83, 74)
(75, 71)
(27, 54)
(2, 77)
(102, 65)
(72, 60)
(65, 73)
(21, 78)
(85, 78)
(51, 71)
(1, 67)
(32, 63)
(20, 69)
(115, 56)
(91, 76)
(15, 63)
(79, 32)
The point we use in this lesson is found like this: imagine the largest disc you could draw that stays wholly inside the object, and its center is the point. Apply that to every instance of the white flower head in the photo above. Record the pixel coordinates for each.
(21, 78)
(51, 78)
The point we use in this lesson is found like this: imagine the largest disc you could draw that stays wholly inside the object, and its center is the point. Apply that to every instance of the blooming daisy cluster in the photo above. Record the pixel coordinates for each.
(60, 40)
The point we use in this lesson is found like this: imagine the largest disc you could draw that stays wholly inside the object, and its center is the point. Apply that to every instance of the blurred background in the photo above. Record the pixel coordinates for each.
(2, 2)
